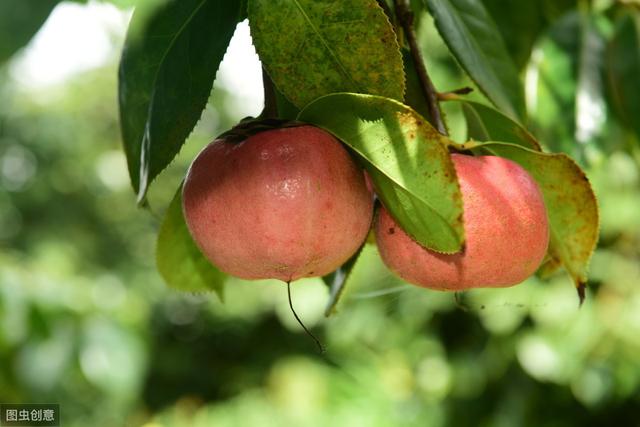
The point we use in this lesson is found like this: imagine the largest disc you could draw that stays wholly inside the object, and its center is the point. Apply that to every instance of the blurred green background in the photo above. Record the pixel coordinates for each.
(86, 322)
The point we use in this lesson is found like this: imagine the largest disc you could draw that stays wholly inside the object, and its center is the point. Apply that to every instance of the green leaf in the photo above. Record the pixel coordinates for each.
(623, 69)
(168, 65)
(571, 206)
(340, 279)
(312, 48)
(19, 21)
(414, 96)
(554, 9)
(473, 38)
(407, 160)
(519, 22)
(286, 110)
(180, 262)
(550, 266)
(487, 124)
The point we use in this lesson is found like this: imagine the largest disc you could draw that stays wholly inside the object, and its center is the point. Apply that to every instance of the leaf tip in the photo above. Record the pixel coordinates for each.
(329, 310)
(581, 288)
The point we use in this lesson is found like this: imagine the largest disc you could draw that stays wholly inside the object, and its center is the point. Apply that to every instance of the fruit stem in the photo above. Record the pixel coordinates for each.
(405, 18)
(319, 344)
(270, 110)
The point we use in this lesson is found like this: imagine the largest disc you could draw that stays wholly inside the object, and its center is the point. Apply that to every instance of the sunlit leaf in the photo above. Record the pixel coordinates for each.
(571, 205)
(473, 38)
(313, 48)
(407, 160)
(179, 260)
(168, 65)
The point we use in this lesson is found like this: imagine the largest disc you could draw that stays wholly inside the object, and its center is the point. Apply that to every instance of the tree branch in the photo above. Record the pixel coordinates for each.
(405, 18)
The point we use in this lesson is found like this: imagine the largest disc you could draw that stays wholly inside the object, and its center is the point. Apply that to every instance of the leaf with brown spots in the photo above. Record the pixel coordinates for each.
(312, 48)
(571, 206)
(407, 160)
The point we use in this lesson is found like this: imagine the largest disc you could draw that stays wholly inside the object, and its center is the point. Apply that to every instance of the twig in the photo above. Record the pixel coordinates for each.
(405, 18)
(270, 110)
(453, 94)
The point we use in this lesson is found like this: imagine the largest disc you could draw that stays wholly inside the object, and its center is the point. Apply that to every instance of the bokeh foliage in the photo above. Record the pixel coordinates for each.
(86, 321)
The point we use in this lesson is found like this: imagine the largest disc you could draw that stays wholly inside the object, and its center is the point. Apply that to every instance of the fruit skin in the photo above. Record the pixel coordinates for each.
(506, 226)
(283, 204)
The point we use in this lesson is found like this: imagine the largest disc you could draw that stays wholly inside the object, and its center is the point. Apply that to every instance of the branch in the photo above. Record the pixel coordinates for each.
(405, 18)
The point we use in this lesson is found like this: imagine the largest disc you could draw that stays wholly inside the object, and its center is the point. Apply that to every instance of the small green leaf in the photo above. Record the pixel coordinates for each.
(340, 279)
(180, 262)
(19, 21)
(407, 160)
(571, 206)
(623, 69)
(487, 124)
(168, 65)
(312, 48)
(473, 38)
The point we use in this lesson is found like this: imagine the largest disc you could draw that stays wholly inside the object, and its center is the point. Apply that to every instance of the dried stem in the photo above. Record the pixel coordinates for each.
(405, 18)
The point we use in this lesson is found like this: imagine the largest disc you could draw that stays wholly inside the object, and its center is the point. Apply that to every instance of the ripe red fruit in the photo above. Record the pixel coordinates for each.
(506, 227)
(283, 204)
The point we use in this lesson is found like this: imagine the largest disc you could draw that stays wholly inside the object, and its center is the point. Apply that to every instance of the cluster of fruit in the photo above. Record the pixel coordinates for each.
(291, 202)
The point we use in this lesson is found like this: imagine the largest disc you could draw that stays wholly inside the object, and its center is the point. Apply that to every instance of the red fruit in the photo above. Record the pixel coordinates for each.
(283, 204)
(506, 227)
